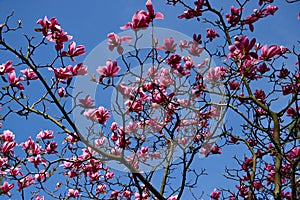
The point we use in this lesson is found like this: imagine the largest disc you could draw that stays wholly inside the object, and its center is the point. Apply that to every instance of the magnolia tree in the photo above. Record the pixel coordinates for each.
(169, 106)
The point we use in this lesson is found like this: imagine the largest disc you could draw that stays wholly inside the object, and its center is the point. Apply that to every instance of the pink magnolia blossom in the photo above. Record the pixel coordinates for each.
(215, 74)
(74, 51)
(194, 50)
(29, 74)
(45, 134)
(62, 74)
(101, 188)
(36, 160)
(8, 147)
(6, 187)
(235, 15)
(114, 41)
(291, 112)
(169, 45)
(6, 68)
(183, 45)
(151, 14)
(25, 182)
(211, 34)
(38, 197)
(99, 115)
(53, 32)
(51, 148)
(260, 95)
(7, 136)
(215, 195)
(242, 48)
(15, 81)
(61, 92)
(80, 69)
(87, 102)
(141, 19)
(110, 70)
(173, 197)
(283, 73)
(268, 52)
(73, 193)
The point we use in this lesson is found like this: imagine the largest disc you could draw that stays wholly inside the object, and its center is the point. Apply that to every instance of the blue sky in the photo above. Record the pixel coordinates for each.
(89, 22)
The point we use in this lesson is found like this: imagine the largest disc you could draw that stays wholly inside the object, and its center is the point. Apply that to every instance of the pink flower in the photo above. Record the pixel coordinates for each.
(73, 193)
(215, 194)
(211, 34)
(6, 187)
(110, 70)
(61, 92)
(141, 19)
(268, 53)
(260, 95)
(235, 15)
(216, 150)
(25, 182)
(242, 48)
(173, 197)
(169, 45)
(109, 175)
(7, 136)
(80, 69)
(100, 189)
(6, 68)
(62, 74)
(215, 74)
(99, 115)
(114, 41)
(38, 197)
(291, 112)
(151, 13)
(87, 102)
(14, 81)
(36, 160)
(46, 134)
(74, 51)
(51, 148)
(29, 74)
(195, 50)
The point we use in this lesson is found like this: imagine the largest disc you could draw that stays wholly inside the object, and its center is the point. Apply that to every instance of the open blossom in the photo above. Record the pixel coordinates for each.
(6, 187)
(211, 34)
(74, 51)
(242, 47)
(6, 68)
(114, 41)
(260, 95)
(53, 32)
(215, 195)
(235, 15)
(194, 50)
(7, 136)
(45, 134)
(99, 115)
(79, 69)
(15, 81)
(73, 193)
(62, 74)
(268, 52)
(110, 70)
(141, 19)
(29, 74)
(215, 74)
(87, 102)
(169, 45)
